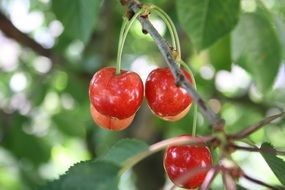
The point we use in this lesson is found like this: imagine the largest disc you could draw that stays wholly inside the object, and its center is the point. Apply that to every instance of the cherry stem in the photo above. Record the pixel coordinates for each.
(123, 35)
(261, 183)
(171, 27)
(181, 140)
(194, 127)
(176, 45)
(214, 120)
(251, 129)
(255, 149)
(119, 54)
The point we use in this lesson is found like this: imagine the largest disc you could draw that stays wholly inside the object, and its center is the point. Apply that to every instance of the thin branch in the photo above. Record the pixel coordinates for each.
(251, 129)
(262, 183)
(180, 140)
(246, 101)
(8, 28)
(11, 31)
(255, 149)
(212, 173)
(190, 174)
(229, 182)
(166, 52)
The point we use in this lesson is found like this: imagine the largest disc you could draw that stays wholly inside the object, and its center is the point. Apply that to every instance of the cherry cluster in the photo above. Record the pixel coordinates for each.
(116, 95)
(115, 98)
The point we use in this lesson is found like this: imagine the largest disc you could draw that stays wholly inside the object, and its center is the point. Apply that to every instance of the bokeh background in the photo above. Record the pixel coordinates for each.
(49, 51)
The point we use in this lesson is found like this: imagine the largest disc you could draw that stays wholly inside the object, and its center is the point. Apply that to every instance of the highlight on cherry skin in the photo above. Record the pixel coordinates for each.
(164, 98)
(180, 161)
(115, 98)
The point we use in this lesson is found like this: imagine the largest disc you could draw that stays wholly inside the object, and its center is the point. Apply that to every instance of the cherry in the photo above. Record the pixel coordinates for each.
(180, 160)
(165, 99)
(115, 98)
(108, 122)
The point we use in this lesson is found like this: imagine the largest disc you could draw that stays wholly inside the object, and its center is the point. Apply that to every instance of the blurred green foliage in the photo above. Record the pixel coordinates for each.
(236, 49)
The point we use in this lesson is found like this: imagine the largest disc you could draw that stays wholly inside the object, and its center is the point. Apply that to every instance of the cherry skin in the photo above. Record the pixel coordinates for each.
(180, 160)
(164, 98)
(108, 122)
(116, 97)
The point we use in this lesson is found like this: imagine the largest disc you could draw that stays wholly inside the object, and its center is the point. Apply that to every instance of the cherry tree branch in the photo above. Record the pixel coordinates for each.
(11, 31)
(256, 181)
(147, 28)
(255, 149)
(229, 182)
(8, 28)
(251, 129)
(212, 173)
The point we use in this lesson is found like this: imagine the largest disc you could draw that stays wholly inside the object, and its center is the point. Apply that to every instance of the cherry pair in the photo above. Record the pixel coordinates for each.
(115, 98)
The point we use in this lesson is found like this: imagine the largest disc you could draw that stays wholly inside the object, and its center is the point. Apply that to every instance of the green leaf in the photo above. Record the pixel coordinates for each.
(220, 54)
(255, 47)
(101, 175)
(78, 17)
(276, 164)
(205, 21)
(123, 150)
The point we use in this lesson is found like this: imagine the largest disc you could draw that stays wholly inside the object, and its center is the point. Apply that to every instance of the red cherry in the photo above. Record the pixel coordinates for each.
(180, 160)
(165, 99)
(108, 122)
(117, 96)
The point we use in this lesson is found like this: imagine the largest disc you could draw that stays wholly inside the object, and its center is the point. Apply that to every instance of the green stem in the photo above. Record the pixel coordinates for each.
(194, 127)
(119, 54)
(123, 35)
(176, 45)
(171, 27)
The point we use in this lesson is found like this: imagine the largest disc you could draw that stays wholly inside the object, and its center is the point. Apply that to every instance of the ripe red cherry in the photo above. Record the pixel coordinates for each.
(180, 160)
(108, 122)
(165, 99)
(115, 96)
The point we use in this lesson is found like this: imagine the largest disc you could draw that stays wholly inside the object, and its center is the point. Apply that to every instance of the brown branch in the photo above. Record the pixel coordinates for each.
(212, 173)
(251, 129)
(245, 101)
(8, 28)
(256, 181)
(229, 182)
(147, 28)
(11, 31)
(255, 149)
